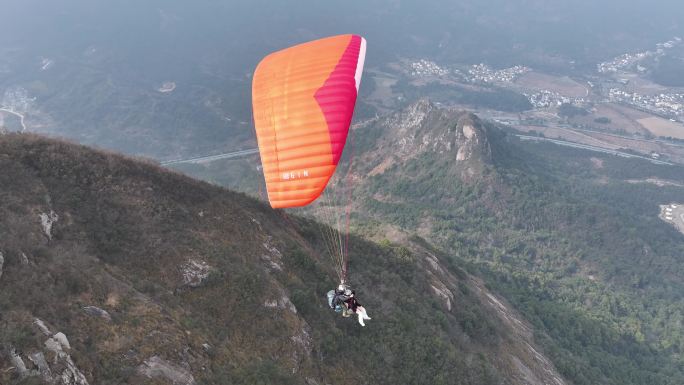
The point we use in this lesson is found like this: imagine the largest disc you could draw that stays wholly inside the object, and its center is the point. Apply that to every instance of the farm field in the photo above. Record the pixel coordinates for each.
(663, 127)
(622, 119)
(561, 85)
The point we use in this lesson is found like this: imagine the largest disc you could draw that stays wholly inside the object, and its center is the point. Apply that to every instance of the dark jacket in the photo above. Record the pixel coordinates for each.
(352, 303)
(339, 298)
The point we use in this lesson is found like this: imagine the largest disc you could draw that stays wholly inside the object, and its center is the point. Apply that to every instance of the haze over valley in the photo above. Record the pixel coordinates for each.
(508, 203)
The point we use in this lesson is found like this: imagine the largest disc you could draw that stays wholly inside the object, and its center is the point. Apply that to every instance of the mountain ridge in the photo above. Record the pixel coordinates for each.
(142, 275)
(423, 127)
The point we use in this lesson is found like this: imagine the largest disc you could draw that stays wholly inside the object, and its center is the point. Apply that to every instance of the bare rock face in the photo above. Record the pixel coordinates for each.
(468, 134)
(41, 326)
(46, 221)
(18, 363)
(38, 359)
(273, 257)
(2, 263)
(471, 139)
(526, 363)
(67, 373)
(423, 128)
(53, 364)
(282, 302)
(63, 341)
(439, 288)
(473, 150)
(407, 122)
(97, 312)
(70, 374)
(156, 367)
(443, 292)
(195, 272)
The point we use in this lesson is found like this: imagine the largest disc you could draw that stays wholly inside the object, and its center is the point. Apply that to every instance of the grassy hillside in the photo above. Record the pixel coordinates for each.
(152, 277)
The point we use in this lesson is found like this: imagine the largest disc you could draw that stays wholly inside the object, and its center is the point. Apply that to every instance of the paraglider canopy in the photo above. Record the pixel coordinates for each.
(303, 100)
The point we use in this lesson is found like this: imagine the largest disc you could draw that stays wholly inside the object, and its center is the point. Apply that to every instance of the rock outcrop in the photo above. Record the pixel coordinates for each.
(459, 138)
(18, 363)
(157, 367)
(97, 312)
(57, 368)
(46, 221)
(24, 259)
(195, 272)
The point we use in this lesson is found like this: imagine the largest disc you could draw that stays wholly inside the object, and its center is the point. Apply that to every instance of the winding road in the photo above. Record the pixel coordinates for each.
(21, 117)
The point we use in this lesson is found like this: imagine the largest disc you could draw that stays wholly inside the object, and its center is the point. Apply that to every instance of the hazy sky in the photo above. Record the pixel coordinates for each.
(109, 55)
(445, 28)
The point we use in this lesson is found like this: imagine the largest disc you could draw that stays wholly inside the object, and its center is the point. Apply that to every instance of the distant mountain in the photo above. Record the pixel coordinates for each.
(420, 129)
(115, 271)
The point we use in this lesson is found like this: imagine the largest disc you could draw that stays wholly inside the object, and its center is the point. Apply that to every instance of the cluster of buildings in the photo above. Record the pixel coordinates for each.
(629, 59)
(622, 62)
(424, 67)
(671, 105)
(16, 99)
(669, 211)
(478, 73)
(483, 73)
(546, 98)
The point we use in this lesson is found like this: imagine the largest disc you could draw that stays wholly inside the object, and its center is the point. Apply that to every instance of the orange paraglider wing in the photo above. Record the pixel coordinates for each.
(303, 100)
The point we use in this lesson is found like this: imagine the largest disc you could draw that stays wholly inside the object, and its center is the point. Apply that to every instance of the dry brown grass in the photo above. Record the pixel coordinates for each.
(663, 127)
(562, 85)
(622, 119)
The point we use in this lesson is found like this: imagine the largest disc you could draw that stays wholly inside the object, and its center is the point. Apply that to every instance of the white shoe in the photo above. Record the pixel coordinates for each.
(362, 315)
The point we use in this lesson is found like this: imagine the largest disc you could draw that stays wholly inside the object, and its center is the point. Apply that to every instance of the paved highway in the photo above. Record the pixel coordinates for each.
(20, 116)
(592, 148)
(211, 158)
